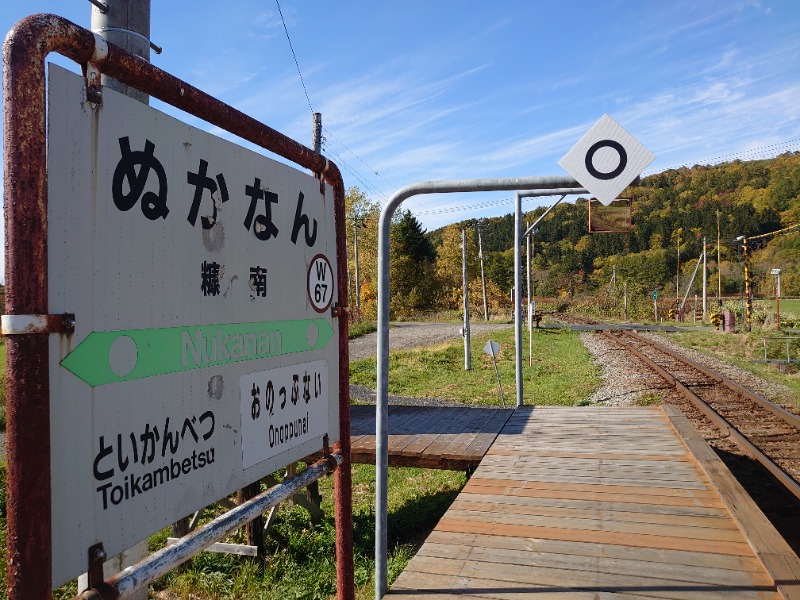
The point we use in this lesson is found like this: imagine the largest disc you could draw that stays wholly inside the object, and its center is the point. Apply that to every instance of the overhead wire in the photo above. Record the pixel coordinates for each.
(352, 170)
(291, 47)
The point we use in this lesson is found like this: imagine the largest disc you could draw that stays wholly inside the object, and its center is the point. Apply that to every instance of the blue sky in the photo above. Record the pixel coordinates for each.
(418, 90)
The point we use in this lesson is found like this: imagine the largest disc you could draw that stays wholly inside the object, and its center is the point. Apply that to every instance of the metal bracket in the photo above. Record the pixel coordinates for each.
(155, 48)
(27, 324)
(97, 556)
(94, 88)
(337, 310)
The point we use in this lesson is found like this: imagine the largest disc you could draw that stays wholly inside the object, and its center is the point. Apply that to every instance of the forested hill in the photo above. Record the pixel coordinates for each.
(672, 212)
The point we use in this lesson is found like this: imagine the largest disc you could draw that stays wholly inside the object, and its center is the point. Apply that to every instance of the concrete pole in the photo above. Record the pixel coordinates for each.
(127, 25)
(705, 281)
(625, 300)
(356, 225)
(316, 139)
(483, 277)
(719, 271)
(467, 353)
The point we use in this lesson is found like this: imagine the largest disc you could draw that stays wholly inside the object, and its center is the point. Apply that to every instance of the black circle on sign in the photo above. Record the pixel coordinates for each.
(623, 159)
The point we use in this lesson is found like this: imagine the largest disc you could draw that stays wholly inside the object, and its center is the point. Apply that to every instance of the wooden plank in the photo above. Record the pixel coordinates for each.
(632, 566)
(489, 433)
(456, 426)
(447, 423)
(491, 504)
(553, 580)
(565, 520)
(500, 448)
(597, 551)
(582, 503)
(619, 539)
(773, 551)
(631, 490)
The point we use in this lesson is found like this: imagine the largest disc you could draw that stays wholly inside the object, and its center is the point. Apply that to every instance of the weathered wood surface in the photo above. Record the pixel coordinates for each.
(594, 503)
(432, 437)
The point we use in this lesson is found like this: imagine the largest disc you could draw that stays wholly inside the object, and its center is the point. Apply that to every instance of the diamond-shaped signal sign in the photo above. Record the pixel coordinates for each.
(606, 159)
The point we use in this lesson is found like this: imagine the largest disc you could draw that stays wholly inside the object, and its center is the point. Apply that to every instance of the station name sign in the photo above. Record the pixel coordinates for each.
(201, 276)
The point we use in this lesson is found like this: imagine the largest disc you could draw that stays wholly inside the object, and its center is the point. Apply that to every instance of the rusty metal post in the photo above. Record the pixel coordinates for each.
(29, 538)
(24, 52)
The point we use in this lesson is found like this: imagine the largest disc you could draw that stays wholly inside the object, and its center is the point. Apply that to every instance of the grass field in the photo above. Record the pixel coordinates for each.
(789, 307)
(562, 373)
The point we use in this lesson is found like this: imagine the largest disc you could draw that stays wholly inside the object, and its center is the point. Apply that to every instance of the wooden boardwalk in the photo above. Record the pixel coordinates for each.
(454, 438)
(601, 503)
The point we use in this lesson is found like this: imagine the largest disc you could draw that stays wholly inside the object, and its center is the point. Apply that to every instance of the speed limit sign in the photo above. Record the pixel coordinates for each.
(320, 283)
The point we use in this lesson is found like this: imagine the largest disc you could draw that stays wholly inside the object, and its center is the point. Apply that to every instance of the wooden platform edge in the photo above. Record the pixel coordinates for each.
(780, 562)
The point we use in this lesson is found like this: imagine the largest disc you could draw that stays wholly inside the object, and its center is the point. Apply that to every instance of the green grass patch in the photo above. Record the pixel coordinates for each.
(358, 328)
(300, 558)
(561, 374)
(789, 307)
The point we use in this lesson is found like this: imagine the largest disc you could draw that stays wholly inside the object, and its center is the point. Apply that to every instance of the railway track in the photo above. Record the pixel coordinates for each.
(763, 431)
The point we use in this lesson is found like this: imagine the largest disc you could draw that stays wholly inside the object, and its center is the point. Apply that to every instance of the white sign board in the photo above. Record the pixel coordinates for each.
(202, 360)
(491, 348)
(606, 160)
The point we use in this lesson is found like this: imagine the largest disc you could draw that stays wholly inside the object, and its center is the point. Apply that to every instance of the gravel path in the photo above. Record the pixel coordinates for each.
(416, 335)
(624, 383)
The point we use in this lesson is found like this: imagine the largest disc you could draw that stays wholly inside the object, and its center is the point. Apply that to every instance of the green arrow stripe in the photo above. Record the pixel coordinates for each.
(140, 353)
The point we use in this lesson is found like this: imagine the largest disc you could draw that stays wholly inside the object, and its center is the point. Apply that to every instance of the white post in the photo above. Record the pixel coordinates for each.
(705, 281)
(467, 353)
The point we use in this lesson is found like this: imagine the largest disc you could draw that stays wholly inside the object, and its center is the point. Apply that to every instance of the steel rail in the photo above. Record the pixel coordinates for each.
(747, 447)
(778, 411)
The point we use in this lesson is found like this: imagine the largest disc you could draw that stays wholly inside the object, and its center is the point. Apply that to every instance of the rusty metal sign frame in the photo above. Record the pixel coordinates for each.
(25, 50)
(620, 205)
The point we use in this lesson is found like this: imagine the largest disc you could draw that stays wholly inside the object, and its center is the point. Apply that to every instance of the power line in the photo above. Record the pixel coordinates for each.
(763, 152)
(358, 157)
(311, 108)
(294, 56)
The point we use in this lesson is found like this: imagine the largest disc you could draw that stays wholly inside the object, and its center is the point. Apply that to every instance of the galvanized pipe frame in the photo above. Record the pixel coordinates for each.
(160, 563)
(543, 186)
(25, 179)
(720, 422)
(563, 190)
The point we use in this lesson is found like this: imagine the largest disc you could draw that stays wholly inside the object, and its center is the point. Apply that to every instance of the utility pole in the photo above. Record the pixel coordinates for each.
(719, 270)
(467, 353)
(480, 227)
(125, 23)
(316, 138)
(747, 289)
(705, 281)
(625, 300)
(356, 224)
(678, 282)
